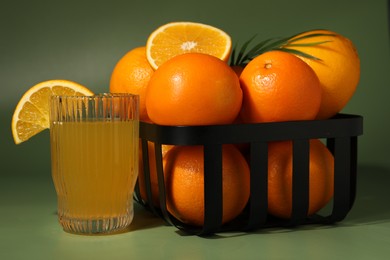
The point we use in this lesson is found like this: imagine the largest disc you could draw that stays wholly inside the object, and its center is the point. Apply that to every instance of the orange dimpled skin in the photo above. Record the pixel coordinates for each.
(193, 89)
(184, 176)
(321, 175)
(278, 86)
(131, 74)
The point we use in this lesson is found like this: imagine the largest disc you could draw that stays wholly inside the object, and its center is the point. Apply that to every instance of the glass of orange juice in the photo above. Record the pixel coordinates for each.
(94, 154)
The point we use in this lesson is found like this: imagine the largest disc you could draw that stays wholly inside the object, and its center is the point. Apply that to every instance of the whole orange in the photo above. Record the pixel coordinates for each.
(321, 174)
(338, 69)
(278, 86)
(184, 173)
(193, 89)
(152, 173)
(131, 74)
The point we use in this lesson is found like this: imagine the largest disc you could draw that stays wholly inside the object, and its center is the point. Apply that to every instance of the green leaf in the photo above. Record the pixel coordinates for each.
(300, 53)
(276, 43)
(241, 56)
(311, 35)
(304, 44)
(258, 49)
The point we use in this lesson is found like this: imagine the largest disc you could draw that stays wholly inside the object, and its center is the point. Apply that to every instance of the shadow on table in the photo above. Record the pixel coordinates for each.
(371, 205)
(144, 219)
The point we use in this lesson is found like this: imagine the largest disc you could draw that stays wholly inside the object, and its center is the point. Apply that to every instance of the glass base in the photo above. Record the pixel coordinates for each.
(96, 226)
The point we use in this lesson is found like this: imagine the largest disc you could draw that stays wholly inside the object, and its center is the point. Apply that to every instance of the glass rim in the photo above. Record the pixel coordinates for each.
(97, 95)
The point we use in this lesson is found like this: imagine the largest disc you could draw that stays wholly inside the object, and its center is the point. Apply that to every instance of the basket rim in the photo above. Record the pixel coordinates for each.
(339, 126)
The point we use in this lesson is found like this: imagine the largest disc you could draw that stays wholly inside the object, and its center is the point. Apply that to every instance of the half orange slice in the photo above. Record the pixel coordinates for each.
(177, 38)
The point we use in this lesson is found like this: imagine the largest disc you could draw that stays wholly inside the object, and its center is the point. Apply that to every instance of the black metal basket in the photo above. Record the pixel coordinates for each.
(340, 133)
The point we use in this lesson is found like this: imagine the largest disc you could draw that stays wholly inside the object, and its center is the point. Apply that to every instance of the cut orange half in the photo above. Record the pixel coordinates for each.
(177, 38)
(31, 115)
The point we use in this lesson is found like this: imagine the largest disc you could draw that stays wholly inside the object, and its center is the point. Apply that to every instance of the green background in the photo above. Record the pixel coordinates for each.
(83, 40)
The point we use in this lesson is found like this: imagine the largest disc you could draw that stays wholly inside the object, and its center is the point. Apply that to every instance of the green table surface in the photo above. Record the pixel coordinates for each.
(29, 230)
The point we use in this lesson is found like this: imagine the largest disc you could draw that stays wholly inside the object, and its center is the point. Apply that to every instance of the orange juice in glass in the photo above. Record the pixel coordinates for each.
(94, 149)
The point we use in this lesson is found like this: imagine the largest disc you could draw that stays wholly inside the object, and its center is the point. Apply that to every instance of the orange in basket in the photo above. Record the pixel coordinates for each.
(338, 68)
(193, 89)
(278, 86)
(184, 172)
(321, 174)
(153, 173)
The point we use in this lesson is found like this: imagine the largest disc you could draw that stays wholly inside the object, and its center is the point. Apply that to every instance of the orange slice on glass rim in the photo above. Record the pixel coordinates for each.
(31, 115)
